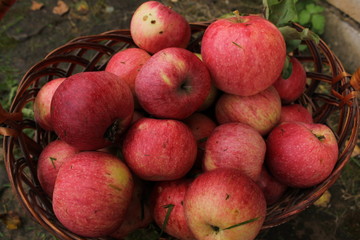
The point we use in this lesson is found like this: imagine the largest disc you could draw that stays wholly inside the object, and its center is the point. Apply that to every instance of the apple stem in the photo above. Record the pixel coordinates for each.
(237, 15)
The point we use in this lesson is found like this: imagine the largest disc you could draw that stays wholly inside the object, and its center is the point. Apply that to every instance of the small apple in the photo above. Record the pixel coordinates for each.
(92, 193)
(50, 160)
(155, 26)
(90, 110)
(244, 54)
(261, 111)
(159, 149)
(292, 87)
(235, 145)
(42, 103)
(224, 204)
(295, 112)
(168, 200)
(301, 155)
(173, 83)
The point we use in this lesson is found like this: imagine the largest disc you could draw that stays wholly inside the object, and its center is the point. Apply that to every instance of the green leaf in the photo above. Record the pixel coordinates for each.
(304, 17)
(291, 33)
(242, 223)
(318, 23)
(292, 44)
(280, 12)
(168, 212)
(287, 69)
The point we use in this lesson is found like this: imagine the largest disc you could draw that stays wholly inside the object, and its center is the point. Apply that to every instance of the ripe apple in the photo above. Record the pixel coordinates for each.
(273, 189)
(224, 204)
(90, 110)
(50, 160)
(231, 45)
(159, 149)
(173, 83)
(301, 155)
(261, 111)
(295, 112)
(42, 103)
(168, 200)
(292, 87)
(92, 193)
(235, 145)
(155, 26)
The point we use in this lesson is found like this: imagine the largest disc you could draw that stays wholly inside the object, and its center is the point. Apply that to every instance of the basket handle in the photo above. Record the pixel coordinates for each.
(355, 80)
(7, 118)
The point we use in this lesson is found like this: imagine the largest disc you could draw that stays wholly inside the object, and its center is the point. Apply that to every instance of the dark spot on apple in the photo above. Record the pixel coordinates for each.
(145, 17)
(182, 203)
(227, 196)
(320, 137)
(215, 228)
(153, 21)
(161, 32)
(123, 62)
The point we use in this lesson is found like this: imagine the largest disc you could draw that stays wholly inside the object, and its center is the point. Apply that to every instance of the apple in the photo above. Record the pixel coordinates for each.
(292, 87)
(126, 64)
(159, 149)
(295, 112)
(210, 99)
(92, 193)
(173, 83)
(235, 145)
(155, 26)
(168, 200)
(42, 103)
(244, 54)
(90, 110)
(224, 204)
(301, 155)
(273, 189)
(261, 111)
(50, 160)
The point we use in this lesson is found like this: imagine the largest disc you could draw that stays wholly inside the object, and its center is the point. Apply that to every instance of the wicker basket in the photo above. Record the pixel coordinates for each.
(331, 94)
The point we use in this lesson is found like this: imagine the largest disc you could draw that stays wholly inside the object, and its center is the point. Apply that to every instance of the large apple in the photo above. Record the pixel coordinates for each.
(301, 155)
(168, 210)
(159, 149)
(292, 88)
(235, 145)
(295, 112)
(261, 111)
(155, 26)
(224, 204)
(244, 54)
(42, 103)
(50, 160)
(173, 83)
(90, 110)
(92, 193)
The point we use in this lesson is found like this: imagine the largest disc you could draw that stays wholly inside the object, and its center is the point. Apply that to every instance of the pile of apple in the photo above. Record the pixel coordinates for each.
(197, 143)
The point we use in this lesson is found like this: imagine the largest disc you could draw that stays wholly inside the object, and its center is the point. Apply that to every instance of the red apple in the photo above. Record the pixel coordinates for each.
(173, 83)
(295, 112)
(168, 200)
(224, 204)
(126, 64)
(92, 193)
(301, 155)
(90, 110)
(261, 111)
(155, 26)
(244, 54)
(273, 189)
(235, 145)
(42, 103)
(159, 149)
(292, 87)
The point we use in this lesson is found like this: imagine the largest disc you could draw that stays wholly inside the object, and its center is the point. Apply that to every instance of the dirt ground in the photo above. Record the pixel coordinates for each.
(27, 34)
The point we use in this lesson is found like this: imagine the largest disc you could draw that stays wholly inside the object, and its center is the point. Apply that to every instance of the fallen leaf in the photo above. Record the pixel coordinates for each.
(36, 6)
(11, 220)
(324, 200)
(61, 8)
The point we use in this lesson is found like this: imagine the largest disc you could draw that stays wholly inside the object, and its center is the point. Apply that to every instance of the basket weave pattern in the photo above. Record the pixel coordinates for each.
(91, 53)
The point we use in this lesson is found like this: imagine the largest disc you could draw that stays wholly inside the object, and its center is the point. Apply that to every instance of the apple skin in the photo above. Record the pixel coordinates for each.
(273, 189)
(159, 149)
(261, 111)
(126, 64)
(90, 110)
(222, 198)
(295, 112)
(301, 155)
(42, 103)
(164, 194)
(179, 83)
(155, 26)
(229, 46)
(292, 87)
(92, 193)
(235, 145)
(50, 160)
